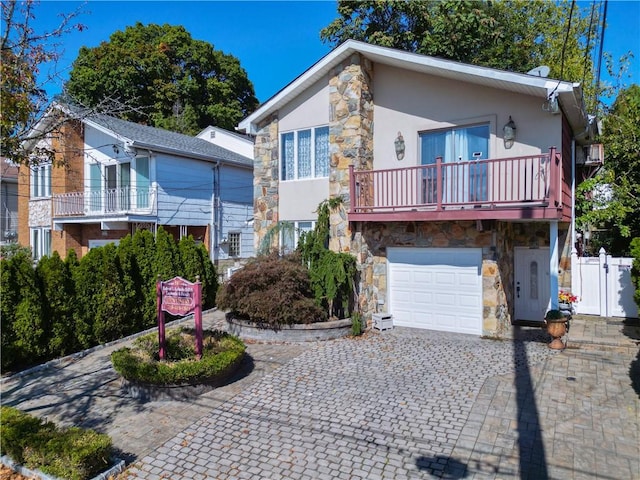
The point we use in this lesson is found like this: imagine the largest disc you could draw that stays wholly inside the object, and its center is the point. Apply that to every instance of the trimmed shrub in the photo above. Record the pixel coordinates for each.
(70, 453)
(221, 354)
(57, 294)
(271, 291)
(635, 269)
(195, 262)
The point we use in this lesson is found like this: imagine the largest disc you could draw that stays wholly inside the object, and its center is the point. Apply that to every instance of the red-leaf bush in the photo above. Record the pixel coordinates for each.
(271, 291)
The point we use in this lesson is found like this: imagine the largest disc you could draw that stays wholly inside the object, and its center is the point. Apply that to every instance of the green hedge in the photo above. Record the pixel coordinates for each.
(63, 306)
(221, 354)
(71, 453)
(635, 270)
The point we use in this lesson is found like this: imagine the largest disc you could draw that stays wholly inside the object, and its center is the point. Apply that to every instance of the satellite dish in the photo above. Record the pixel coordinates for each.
(541, 71)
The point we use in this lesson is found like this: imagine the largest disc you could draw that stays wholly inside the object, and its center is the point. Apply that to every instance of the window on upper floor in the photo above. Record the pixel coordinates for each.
(304, 154)
(40, 242)
(461, 149)
(41, 181)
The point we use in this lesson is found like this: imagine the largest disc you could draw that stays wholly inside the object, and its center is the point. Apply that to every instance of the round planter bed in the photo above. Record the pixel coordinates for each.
(288, 333)
(180, 376)
(145, 392)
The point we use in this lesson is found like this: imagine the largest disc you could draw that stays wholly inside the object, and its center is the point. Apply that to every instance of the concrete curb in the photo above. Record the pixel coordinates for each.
(117, 468)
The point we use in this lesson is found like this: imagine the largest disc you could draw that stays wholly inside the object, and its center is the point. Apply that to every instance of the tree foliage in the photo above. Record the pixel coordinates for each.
(514, 35)
(24, 53)
(59, 307)
(610, 201)
(179, 83)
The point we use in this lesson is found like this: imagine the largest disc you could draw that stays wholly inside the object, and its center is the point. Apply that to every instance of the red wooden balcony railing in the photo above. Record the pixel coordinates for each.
(494, 184)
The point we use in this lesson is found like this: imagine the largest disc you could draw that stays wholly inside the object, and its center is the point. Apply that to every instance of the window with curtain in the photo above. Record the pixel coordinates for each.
(304, 154)
(464, 178)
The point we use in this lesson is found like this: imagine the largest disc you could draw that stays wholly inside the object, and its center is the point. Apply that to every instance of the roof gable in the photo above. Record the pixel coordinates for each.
(569, 94)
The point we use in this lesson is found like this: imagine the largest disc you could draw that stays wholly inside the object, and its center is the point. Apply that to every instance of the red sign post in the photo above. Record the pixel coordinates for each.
(179, 297)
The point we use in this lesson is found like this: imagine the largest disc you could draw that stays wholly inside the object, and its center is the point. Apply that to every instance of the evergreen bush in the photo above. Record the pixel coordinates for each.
(60, 307)
(635, 269)
(57, 294)
(71, 453)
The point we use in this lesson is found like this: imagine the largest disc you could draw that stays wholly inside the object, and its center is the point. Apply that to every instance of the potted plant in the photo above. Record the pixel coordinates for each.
(565, 302)
(556, 322)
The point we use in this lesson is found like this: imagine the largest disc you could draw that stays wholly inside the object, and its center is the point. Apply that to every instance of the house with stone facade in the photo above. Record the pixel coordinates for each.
(111, 177)
(456, 181)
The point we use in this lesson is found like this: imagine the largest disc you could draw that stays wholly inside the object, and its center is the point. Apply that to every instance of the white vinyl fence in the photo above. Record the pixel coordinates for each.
(603, 285)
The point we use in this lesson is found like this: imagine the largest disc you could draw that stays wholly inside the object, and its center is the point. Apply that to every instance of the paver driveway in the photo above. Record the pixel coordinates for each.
(391, 405)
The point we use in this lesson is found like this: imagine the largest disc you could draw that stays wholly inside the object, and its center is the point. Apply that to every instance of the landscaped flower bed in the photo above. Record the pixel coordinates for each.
(221, 356)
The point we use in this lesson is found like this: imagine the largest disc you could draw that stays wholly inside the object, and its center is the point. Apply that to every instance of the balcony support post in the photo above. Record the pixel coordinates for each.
(439, 180)
(355, 201)
(554, 180)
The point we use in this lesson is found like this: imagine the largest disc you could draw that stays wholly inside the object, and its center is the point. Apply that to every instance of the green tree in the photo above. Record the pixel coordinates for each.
(29, 326)
(113, 319)
(57, 297)
(610, 201)
(144, 250)
(178, 83)
(515, 35)
(195, 261)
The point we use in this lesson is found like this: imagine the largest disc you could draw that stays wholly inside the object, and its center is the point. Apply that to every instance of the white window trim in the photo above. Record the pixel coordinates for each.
(238, 236)
(296, 233)
(41, 189)
(38, 247)
(295, 154)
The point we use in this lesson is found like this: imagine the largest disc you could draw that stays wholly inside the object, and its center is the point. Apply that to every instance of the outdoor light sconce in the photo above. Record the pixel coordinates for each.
(509, 133)
(399, 146)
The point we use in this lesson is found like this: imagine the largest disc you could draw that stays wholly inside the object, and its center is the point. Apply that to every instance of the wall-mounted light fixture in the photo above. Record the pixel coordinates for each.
(509, 133)
(399, 146)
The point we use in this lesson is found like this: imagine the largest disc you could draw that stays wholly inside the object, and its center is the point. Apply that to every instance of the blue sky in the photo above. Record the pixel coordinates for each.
(275, 41)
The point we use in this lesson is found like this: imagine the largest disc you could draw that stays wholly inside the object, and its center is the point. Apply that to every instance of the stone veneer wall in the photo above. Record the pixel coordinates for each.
(350, 137)
(372, 239)
(265, 180)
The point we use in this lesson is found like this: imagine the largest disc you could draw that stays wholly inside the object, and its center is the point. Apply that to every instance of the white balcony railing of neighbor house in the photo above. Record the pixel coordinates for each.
(113, 201)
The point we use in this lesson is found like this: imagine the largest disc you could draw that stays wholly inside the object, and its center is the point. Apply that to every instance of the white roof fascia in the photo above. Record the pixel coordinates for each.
(539, 86)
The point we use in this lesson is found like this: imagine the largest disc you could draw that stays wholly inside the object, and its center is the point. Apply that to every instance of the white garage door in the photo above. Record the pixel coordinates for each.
(436, 288)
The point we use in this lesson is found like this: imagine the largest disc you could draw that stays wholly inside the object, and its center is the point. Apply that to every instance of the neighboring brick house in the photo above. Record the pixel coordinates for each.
(8, 202)
(117, 177)
(457, 181)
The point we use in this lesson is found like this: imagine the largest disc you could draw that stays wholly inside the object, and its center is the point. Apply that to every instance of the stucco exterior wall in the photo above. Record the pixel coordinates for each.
(410, 102)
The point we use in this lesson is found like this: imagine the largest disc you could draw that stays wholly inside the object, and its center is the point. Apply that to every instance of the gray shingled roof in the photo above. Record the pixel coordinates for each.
(164, 140)
(143, 136)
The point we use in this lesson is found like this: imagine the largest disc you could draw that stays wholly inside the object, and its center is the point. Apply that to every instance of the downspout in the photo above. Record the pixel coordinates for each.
(215, 198)
(573, 194)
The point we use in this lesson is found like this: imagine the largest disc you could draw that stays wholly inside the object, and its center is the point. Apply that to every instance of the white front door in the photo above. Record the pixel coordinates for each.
(531, 289)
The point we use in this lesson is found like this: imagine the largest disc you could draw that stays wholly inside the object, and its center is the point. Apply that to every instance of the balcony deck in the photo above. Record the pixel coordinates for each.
(105, 203)
(503, 189)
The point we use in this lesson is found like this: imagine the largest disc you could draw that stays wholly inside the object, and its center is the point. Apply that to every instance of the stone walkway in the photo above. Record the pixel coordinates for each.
(397, 404)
